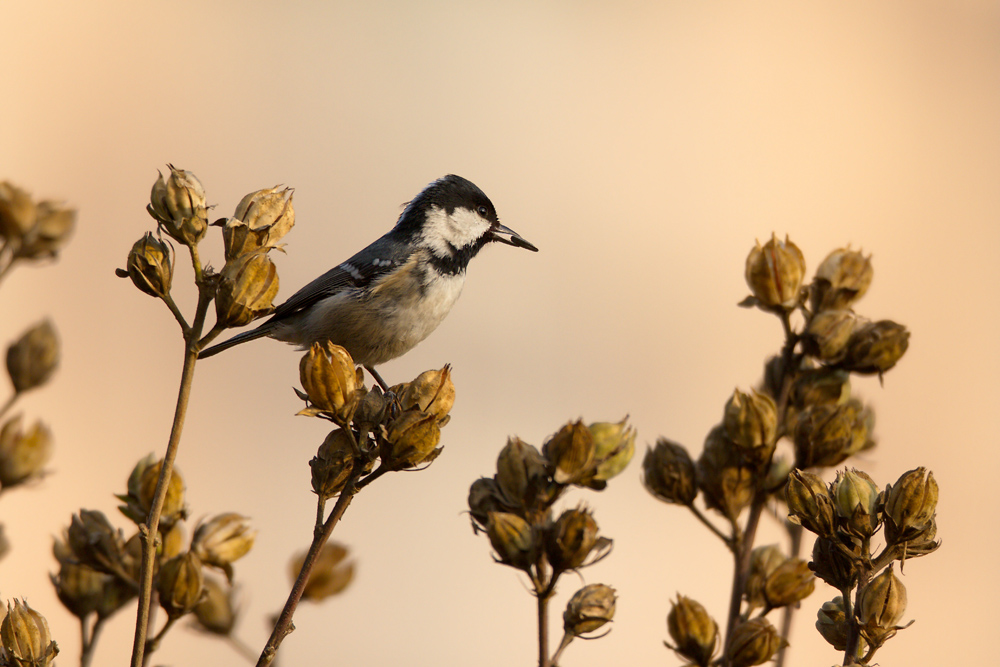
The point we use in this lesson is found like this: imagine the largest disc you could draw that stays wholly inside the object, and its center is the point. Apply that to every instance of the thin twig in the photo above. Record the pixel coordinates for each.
(711, 526)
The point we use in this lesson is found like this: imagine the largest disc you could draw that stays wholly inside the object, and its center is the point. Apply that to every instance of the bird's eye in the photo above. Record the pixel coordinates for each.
(482, 211)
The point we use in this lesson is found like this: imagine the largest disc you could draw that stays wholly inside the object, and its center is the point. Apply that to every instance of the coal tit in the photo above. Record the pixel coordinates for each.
(390, 296)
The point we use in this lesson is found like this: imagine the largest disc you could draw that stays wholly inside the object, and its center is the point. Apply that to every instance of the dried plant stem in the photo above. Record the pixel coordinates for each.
(88, 639)
(284, 625)
(743, 544)
(149, 530)
(795, 548)
(567, 638)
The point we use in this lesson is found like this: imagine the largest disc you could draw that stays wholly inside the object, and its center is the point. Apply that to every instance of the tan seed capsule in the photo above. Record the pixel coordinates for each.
(774, 273)
(180, 583)
(669, 473)
(25, 636)
(149, 266)
(695, 633)
(589, 609)
(246, 290)
(34, 357)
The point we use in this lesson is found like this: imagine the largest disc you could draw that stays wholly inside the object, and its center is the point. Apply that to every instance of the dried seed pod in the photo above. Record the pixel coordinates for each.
(330, 575)
(571, 453)
(149, 266)
(180, 583)
(589, 609)
(331, 382)
(774, 273)
(856, 499)
(222, 540)
(910, 506)
(614, 447)
(841, 279)
(178, 204)
(25, 636)
(512, 538)
(34, 357)
(695, 633)
(23, 453)
(669, 473)
(261, 219)
(246, 290)
(810, 503)
(876, 347)
(753, 642)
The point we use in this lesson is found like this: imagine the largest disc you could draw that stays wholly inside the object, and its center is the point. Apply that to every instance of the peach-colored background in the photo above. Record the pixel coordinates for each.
(642, 147)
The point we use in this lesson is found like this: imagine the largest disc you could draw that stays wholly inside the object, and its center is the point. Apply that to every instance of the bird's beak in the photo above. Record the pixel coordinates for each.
(510, 237)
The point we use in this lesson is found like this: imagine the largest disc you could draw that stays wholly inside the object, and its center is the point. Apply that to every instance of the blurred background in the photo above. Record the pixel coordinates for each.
(643, 147)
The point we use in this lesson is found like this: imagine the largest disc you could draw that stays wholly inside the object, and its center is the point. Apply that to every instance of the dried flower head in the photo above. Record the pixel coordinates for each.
(23, 453)
(261, 219)
(218, 610)
(910, 506)
(750, 420)
(695, 633)
(753, 642)
(30, 230)
(149, 266)
(589, 609)
(330, 575)
(331, 383)
(222, 540)
(826, 434)
(95, 542)
(246, 290)
(512, 539)
(883, 603)
(412, 439)
(726, 482)
(856, 499)
(25, 636)
(333, 464)
(571, 452)
(572, 541)
(180, 584)
(614, 447)
(841, 279)
(774, 273)
(522, 476)
(876, 347)
(178, 204)
(828, 333)
(789, 583)
(79, 588)
(485, 496)
(33, 357)
(669, 473)
(432, 392)
(810, 503)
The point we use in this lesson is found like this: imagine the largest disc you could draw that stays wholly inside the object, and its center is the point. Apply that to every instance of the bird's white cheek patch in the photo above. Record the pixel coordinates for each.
(443, 231)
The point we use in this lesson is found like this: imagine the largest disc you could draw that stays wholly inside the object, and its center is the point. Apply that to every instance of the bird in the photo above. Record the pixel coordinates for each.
(390, 296)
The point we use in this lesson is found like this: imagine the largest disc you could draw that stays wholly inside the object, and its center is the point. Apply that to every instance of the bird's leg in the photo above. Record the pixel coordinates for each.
(378, 378)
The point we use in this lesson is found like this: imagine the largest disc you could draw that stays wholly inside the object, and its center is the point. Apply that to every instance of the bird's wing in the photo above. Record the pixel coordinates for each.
(359, 271)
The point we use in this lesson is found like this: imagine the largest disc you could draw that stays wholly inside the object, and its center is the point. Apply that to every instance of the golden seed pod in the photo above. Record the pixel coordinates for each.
(149, 266)
(432, 392)
(522, 477)
(810, 503)
(261, 219)
(876, 347)
(333, 464)
(726, 482)
(830, 562)
(791, 582)
(774, 273)
(17, 212)
(751, 420)
(173, 502)
(910, 505)
(23, 453)
(25, 637)
(512, 539)
(828, 333)
(180, 583)
(217, 611)
(570, 540)
(178, 204)
(764, 560)
(247, 287)
(571, 452)
(883, 604)
(95, 542)
(841, 279)
(589, 609)
(53, 226)
(753, 642)
(79, 588)
(330, 574)
(222, 540)
(331, 382)
(669, 473)
(826, 434)
(413, 439)
(33, 357)
(831, 622)
(855, 500)
(614, 447)
(695, 633)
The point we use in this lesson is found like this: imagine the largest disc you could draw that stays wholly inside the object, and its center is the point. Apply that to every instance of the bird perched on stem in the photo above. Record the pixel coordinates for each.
(390, 296)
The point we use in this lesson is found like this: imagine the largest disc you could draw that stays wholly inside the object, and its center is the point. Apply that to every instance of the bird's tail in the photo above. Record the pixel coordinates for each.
(253, 334)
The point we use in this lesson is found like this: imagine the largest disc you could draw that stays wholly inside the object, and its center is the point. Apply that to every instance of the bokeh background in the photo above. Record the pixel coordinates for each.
(643, 147)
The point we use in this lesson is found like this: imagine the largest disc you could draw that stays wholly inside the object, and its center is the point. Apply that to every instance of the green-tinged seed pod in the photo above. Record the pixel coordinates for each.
(614, 447)
(774, 273)
(413, 439)
(180, 583)
(571, 539)
(330, 381)
(810, 503)
(246, 290)
(876, 347)
(695, 633)
(589, 609)
(841, 279)
(173, 502)
(883, 602)
(34, 357)
(827, 335)
(331, 573)
(826, 434)
(261, 219)
(764, 560)
(522, 477)
(790, 583)
(512, 539)
(571, 452)
(432, 392)
(856, 499)
(333, 464)
(25, 637)
(753, 642)
(669, 473)
(726, 482)
(217, 611)
(95, 542)
(222, 540)
(832, 561)
(910, 505)
(750, 419)
(149, 266)
(178, 204)
(23, 452)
